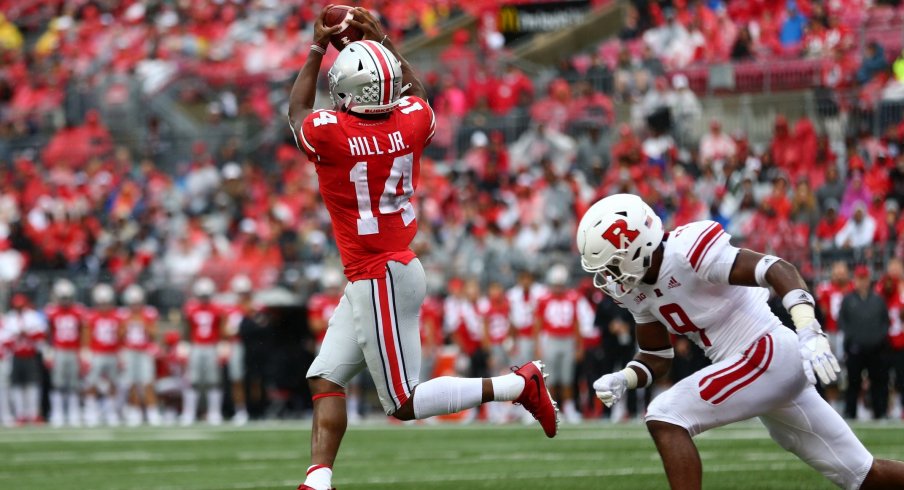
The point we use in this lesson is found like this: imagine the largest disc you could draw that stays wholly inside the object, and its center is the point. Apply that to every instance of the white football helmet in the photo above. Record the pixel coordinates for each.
(366, 78)
(64, 290)
(557, 275)
(133, 295)
(241, 284)
(331, 279)
(616, 238)
(204, 288)
(103, 294)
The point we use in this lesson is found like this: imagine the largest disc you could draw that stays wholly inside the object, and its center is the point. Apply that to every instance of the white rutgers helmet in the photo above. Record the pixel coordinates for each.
(366, 78)
(204, 287)
(133, 295)
(63, 289)
(103, 294)
(616, 239)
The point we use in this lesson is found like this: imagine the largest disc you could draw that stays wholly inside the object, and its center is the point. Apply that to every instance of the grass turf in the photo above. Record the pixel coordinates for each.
(274, 456)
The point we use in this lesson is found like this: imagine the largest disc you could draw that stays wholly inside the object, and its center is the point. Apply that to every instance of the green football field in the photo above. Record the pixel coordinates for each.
(382, 456)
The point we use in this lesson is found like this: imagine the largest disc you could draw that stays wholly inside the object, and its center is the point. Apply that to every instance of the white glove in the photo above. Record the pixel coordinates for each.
(817, 355)
(610, 388)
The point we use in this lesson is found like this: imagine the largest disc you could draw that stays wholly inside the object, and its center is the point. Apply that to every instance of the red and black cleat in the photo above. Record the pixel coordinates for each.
(536, 398)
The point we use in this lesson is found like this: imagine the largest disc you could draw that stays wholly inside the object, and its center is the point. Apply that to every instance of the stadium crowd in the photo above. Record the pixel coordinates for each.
(513, 165)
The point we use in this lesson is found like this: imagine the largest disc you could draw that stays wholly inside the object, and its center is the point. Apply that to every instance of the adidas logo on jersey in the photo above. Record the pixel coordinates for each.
(673, 283)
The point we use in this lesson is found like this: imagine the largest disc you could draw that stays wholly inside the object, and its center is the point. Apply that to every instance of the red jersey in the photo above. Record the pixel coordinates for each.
(559, 313)
(432, 317)
(368, 169)
(66, 324)
(321, 307)
(204, 322)
(105, 327)
(893, 293)
(138, 327)
(496, 316)
(233, 315)
(829, 296)
(170, 363)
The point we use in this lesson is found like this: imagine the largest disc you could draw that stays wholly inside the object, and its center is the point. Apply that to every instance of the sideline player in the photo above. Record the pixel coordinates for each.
(367, 155)
(140, 334)
(65, 318)
(205, 325)
(692, 282)
(523, 298)
(559, 315)
(105, 335)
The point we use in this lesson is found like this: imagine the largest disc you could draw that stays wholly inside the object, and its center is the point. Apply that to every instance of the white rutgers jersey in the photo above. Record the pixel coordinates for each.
(692, 296)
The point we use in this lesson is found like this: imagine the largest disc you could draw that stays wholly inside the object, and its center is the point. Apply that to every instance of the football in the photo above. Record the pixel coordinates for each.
(340, 15)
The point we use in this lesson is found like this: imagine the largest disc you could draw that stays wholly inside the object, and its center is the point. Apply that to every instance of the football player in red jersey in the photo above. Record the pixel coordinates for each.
(322, 305)
(66, 319)
(693, 282)
(558, 327)
(205, 323)
(104, 334)
(829, 295)
(367, 151)
(140, 331)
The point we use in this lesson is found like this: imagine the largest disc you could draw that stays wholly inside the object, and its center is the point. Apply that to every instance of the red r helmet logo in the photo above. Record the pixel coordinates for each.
(619, 235)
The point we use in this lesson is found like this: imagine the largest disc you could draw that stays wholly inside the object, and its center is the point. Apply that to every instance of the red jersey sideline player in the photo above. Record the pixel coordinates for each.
(367, 152)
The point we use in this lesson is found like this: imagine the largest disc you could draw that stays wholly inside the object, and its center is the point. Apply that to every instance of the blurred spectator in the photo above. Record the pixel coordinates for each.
(742, 49)
(891, 288)
(829, 295)
(859, 231)
(686, 110)
(829, 226)
(832, 188)
(804, 208)
(898, 67)
(792, 32)
(864, 320)
(10, 37)
(873, 63)
(716, 145)
(593, 157)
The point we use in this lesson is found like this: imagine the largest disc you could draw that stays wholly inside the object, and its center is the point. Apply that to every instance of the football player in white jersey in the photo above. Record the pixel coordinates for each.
(693, 282)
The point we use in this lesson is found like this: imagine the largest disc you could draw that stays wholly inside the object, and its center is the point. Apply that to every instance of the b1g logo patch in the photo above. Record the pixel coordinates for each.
(619, 235)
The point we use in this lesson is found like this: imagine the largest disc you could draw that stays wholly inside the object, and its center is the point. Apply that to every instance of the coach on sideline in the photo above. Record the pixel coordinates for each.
(864, 320)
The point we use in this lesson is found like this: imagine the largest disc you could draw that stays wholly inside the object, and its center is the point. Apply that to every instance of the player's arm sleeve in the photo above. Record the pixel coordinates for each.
(304, 138)
(712, 255)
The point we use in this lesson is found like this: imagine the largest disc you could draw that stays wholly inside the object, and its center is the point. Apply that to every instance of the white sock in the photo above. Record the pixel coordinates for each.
(5, 416)
(319, 479)
(73, 410)
(189, 404)
(444, 395)
(18, 395)
(214, 401)
(91, 416)
(32, 401)
(56, 406)
(109, 409)
(507, 388)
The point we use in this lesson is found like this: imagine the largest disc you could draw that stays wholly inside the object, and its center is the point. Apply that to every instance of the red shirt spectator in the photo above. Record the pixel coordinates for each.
(830, 293)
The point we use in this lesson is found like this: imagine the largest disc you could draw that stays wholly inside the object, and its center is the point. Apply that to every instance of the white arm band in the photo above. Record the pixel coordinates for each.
(643, 368)
(665, 353)
(762, 266)
(799, 304)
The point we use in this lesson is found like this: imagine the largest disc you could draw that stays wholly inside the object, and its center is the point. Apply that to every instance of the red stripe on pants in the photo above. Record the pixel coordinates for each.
(722, 382)
(743, 359)
(398, 384)
(751, 379)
